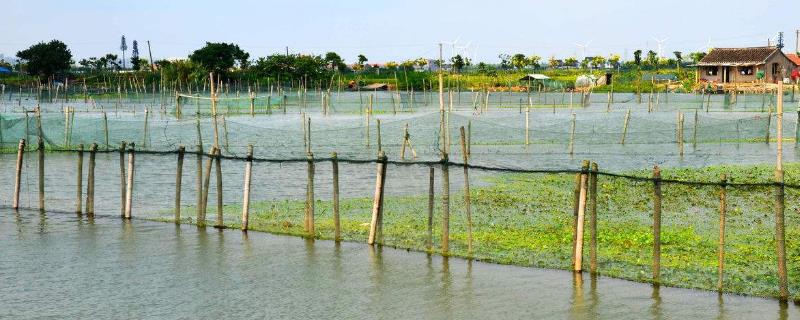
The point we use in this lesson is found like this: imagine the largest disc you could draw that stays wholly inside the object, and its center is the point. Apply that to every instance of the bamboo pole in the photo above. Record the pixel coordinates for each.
(90, 181)
(337, 228)
(467, 202)
(201, 220)
(377, 203)
(593, 217)
(445, 205)
(625, 126)
(248, 169)
(129, 187)
(178, 182)
(780, 232)
(79, 181)
(430, 208)
(18, 172)
(579, 225)
(309, 209)
(122, 179)
(723, 207)
(40, 150)
(572, 135)
(656, 225)
(199, 186)
(218, 164)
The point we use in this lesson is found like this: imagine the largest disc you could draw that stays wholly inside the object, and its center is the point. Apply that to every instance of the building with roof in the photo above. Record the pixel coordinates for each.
(744, 65)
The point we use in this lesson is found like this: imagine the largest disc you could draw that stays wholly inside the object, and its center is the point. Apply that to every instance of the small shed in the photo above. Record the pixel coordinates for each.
(742, 65)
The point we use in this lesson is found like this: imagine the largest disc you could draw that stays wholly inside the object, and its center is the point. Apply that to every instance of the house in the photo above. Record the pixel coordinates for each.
(743, 65)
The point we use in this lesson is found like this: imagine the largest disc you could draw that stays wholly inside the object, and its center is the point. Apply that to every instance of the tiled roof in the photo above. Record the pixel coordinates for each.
(737, 56)
(794, 58)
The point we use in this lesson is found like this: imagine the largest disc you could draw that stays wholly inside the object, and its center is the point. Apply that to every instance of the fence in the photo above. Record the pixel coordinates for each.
(679, 227)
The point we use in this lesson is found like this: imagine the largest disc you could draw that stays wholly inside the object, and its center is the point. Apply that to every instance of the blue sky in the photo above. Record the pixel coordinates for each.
(400, 29)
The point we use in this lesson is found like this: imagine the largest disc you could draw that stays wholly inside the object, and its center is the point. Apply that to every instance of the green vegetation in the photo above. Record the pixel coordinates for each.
(526, 219)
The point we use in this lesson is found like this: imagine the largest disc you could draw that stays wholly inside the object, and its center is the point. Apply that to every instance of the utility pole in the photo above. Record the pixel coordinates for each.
(797, 41)
(150, 53)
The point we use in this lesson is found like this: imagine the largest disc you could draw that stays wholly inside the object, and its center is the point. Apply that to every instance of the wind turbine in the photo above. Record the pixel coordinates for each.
(584, 47)
(453, 45)
(660, 46)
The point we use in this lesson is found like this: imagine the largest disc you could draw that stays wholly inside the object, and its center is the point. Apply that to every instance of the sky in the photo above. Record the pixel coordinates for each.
(398, 30)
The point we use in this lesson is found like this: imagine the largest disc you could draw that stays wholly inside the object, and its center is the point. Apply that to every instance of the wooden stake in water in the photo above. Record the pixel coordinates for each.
(79, 181)
(723, 208)
(430, 208)
(41, 173)
(90, 181)
(625, 126)
(780, 224)
(129, 187)
(572, 135)
(377, 201)
(178, 182)
(337, 229)
(579, 222)
(218, 166)
(201, 220)
(122, 180)
(593, 217)
(18, 172)
(248, 169)
(656, 225)
(309, 209)
(467, 201)
(445, 205)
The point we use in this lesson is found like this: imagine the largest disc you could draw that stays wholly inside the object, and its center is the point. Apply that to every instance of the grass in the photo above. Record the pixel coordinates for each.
(526, 219)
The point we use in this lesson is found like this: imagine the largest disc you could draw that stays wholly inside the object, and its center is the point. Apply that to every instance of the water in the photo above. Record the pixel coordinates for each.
(57, 265)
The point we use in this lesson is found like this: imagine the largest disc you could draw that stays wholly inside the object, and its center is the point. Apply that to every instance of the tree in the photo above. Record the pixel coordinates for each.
(598, 61)
(678, 59)
(533, 61)
(361, 60)
(697, 56)
(519, 61)
(552, 62)
(458, 62)
(421, 62)
(614, 60)
(571, 61)
(407, 64)
(136, 63)
(219, 57)
(505, 61)
(124, 47)
(391, 65)
(335, 62)
(46, 59)
(637, 58)
(652, 58)
(482, 67)
(292, 67)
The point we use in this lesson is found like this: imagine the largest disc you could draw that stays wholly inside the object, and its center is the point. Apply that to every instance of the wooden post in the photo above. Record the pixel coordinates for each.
(430, 208)
(467, 202)
(199, 206)
(178, 182)
(40, 150)
(723, 207)
(90, 181)
(625, 126)
(656, 225)
(309, 210)
(579, 225)
(769, 120)
(18, 175)
(248, 169)
(593, 217)
(129, 185)
(337, 228)
(201, 220)
(572, 135)
(694, 131)
(122, 180)
(378, 128)
(218, 164)
(79, 182)
(527, 126)
(780, 227)
(377, 202)
(445, 205)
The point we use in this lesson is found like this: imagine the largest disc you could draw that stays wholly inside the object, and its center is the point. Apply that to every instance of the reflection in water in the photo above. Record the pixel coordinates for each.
(176, 267)
(42, 222)
(577, 307)
(655, 308)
